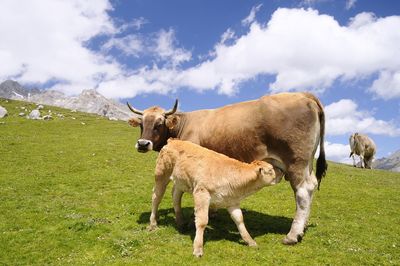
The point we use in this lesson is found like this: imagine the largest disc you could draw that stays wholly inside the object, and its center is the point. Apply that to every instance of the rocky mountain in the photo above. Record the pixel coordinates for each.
(10, 89)
(89, 101)
(392, 163)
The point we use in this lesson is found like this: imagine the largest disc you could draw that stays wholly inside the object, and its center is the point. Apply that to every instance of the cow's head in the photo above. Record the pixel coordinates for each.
(155, 124)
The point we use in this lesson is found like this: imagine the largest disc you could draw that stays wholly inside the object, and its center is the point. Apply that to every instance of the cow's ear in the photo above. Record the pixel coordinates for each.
(171, 121)
(135, 121)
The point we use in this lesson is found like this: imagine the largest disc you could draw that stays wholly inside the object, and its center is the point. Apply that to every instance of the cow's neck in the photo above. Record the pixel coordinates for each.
(176, 132)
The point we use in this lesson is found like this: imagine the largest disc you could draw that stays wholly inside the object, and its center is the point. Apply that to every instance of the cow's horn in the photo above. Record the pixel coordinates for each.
(173, 109)
(134, 110)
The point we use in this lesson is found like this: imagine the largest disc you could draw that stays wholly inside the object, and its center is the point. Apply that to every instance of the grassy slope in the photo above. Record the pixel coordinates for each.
(80, 194)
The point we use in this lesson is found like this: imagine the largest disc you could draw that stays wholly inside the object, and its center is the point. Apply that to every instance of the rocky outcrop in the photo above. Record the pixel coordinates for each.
(3, 112)
(392, 163)
(34, 115)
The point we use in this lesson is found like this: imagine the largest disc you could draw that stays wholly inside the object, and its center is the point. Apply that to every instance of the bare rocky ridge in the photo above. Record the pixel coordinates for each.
(392, 163)
(89, 101)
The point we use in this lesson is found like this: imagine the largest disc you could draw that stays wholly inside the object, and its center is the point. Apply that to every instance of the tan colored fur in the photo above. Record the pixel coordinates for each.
(214, 180)
(283, 129)
(364, 147)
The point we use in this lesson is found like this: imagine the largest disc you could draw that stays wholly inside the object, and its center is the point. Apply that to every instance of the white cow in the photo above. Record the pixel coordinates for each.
(364, 147)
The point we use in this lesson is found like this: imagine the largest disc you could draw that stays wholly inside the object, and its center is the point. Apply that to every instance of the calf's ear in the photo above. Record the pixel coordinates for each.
(135, 121)
(171, 121)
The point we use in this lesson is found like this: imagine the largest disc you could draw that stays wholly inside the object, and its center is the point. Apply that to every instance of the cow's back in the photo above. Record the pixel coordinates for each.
(280, 128)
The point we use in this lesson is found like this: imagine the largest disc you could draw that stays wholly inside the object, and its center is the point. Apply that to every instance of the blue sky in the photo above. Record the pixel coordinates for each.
(212, 53)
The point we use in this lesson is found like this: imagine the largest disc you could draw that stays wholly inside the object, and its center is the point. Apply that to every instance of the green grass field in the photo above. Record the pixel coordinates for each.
(79, 194)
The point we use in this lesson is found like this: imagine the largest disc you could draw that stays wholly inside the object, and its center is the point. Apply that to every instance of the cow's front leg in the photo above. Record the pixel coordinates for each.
(237, 217)
(201, 205)
(362, 161)
(177, 200)
(354, 160)
(303, 194)
(158, 193)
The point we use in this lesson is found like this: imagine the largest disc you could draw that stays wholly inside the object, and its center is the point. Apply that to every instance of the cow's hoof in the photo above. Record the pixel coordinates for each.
(289, 240)
(151, 227)
(198, 252)
(180, 224)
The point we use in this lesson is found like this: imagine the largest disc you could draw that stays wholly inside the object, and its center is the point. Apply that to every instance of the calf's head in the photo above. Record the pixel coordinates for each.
(267, 173)
(155, 124)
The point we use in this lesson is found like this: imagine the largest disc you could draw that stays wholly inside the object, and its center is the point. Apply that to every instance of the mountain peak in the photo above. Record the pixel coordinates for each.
(391, 163)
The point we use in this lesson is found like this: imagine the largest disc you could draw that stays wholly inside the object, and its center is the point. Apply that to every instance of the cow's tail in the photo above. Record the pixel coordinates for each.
(322, 166)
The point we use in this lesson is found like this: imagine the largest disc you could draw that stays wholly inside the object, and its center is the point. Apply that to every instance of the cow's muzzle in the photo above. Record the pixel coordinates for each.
(144, 145)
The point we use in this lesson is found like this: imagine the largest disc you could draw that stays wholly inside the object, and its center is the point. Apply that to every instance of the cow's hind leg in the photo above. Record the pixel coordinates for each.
(303, 189)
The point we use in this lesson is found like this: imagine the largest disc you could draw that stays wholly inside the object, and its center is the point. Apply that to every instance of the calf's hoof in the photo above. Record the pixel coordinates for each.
(198, 252)
(252, 244)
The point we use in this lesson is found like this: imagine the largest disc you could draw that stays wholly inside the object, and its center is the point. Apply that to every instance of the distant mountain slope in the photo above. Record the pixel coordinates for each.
(391, 163)
(89, 101)
(10, 89)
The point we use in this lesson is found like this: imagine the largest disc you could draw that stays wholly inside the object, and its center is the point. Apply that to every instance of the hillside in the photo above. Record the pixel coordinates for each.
(89, 101)
(75, 192)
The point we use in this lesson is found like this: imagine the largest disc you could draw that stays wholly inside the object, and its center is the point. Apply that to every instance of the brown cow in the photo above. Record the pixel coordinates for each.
(283, 129)
(364, 147)
(214, 180)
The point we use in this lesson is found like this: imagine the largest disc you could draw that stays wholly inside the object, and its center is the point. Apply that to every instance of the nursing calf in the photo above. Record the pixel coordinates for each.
(214, 180)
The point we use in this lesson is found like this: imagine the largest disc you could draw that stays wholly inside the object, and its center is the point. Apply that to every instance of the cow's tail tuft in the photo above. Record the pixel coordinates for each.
(322, 166)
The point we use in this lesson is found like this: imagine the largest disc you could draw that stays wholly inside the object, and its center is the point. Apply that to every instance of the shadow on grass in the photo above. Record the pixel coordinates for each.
(222, 226)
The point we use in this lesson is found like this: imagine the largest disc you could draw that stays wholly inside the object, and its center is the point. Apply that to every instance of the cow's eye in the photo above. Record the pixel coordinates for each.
(157, 127)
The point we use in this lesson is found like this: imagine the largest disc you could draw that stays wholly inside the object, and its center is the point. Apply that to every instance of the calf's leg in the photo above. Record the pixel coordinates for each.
(201, 205)
(158, 193)
(237, 217)
(177, 198)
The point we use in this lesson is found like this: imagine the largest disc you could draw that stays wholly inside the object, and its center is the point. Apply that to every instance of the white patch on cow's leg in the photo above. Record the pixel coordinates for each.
(237, 217)
(201, 205)
(304, 192)
(354, 160)
(362, 161)
(177, 198)
(158, 193)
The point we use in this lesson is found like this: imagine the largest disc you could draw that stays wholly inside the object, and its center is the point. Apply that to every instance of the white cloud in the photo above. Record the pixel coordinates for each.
(303, 49)
(252, 16)
(136, 24)
(337, 152)
(343, 117)
(387, 86)
(310, 3)
(350, 4)
(166, 50)
(45, 40)
(229, 34)
(129, 45)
